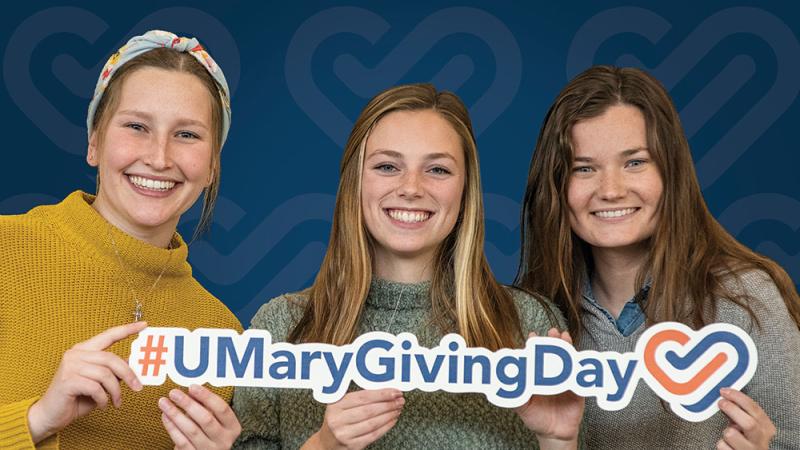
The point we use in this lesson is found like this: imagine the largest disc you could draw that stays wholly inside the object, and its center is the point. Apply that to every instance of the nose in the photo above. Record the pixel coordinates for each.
(612, 186)
(410, 185)
(158, 155)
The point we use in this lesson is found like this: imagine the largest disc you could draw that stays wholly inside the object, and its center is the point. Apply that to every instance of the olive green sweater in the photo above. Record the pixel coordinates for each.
(286, 418)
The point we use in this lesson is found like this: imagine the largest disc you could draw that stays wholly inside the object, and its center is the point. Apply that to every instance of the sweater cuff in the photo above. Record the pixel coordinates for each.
(14, 431)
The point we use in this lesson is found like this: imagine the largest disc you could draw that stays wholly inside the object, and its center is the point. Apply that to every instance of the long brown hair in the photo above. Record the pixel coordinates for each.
(464, 293)
(691, 256)
(171, 60)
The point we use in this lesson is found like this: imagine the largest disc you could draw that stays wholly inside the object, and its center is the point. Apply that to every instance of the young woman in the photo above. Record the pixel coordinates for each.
(157, 122)
(616, 232)
(405, 255)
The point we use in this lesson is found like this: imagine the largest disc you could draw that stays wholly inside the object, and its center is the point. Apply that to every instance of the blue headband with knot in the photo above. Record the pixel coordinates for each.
(153, 39)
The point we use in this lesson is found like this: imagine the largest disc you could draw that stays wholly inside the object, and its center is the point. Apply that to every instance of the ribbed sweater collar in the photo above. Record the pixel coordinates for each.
(385, 294)
(80, 224)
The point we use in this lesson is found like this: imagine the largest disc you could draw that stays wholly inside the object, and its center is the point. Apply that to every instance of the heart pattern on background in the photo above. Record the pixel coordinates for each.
(30, 35)
(689, 53)
(366, 82)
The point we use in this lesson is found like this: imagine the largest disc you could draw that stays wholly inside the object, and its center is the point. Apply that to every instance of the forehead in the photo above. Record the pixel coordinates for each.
(411, 133)
(619, 128)
(167, 92)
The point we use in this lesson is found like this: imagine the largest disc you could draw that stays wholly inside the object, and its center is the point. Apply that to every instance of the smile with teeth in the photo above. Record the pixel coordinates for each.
(152, 185)
(610, 214)
(408, 216)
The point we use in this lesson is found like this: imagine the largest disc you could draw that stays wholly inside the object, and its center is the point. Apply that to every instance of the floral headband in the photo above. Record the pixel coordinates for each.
(138, 45)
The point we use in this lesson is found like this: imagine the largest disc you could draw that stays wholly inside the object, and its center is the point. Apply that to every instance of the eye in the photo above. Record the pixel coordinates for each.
(386, 168)
(634, 163)
(135, 126)
(187, 135)
(438, 170)
(582, 169)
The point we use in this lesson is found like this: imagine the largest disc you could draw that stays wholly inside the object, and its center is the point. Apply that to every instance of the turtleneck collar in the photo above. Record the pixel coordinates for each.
(385, 294)
(86, 228)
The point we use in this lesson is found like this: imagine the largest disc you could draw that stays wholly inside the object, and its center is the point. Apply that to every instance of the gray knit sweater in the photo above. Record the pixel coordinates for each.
(286, 418)
(646, 423)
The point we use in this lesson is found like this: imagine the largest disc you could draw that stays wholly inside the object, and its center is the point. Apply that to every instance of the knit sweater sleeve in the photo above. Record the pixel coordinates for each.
(536, 314)
(775, 384)
(257, 408)
(14, 430)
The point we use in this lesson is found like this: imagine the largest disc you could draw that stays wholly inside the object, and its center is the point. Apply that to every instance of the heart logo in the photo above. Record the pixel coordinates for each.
(777, 218)
(366, 82)
(719, 92)
(688, 368)
(35, 34)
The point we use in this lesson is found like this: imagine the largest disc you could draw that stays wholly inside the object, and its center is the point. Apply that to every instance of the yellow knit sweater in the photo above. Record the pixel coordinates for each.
(61, 283)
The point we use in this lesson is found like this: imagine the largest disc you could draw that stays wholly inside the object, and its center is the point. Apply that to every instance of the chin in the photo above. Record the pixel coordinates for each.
(152, 221)
(406, 251)
(617, 243)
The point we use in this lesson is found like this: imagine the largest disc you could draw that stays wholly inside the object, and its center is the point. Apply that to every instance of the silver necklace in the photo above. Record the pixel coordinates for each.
(138, 308)
(374, 326)
(396, 307)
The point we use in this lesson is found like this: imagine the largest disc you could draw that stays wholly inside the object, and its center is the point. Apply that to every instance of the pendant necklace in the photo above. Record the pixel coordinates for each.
(138, 308)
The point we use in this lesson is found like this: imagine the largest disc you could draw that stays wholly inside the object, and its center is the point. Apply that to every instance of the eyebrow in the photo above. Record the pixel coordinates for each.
(624, 154)
(398, 155)
(181, 122)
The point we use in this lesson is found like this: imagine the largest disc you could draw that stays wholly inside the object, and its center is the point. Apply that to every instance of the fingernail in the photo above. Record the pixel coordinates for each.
(136, 385)
(175, 394)
(163, 403)
(400, 401)
(195, 389)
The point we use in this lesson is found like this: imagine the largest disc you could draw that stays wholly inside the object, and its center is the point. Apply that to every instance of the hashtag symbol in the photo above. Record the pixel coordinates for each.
(148, 350)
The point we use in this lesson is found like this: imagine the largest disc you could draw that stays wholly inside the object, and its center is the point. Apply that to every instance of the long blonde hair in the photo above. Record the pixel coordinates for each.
(690, 253)
(465, 295)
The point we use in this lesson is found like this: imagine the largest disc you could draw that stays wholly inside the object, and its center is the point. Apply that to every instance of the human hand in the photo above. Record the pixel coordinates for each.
(750, 427)
(358, 419)
(199, 419)
(555, 419)
(85, 378)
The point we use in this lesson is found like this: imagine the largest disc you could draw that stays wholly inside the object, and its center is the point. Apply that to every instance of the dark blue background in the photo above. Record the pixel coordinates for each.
(301, 73)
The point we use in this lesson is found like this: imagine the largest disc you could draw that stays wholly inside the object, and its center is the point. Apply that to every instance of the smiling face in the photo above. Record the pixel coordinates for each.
(412, 185)
(155, 157)
(614, 188)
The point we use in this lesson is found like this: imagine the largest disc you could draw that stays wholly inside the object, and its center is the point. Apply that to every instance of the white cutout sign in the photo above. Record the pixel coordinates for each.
(684, 367)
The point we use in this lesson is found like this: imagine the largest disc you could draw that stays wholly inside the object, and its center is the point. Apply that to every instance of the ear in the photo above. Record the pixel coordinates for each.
(91, 153)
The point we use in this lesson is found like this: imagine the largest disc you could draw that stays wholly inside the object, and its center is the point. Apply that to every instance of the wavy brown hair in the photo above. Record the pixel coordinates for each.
(690, 255)
(465, 296)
